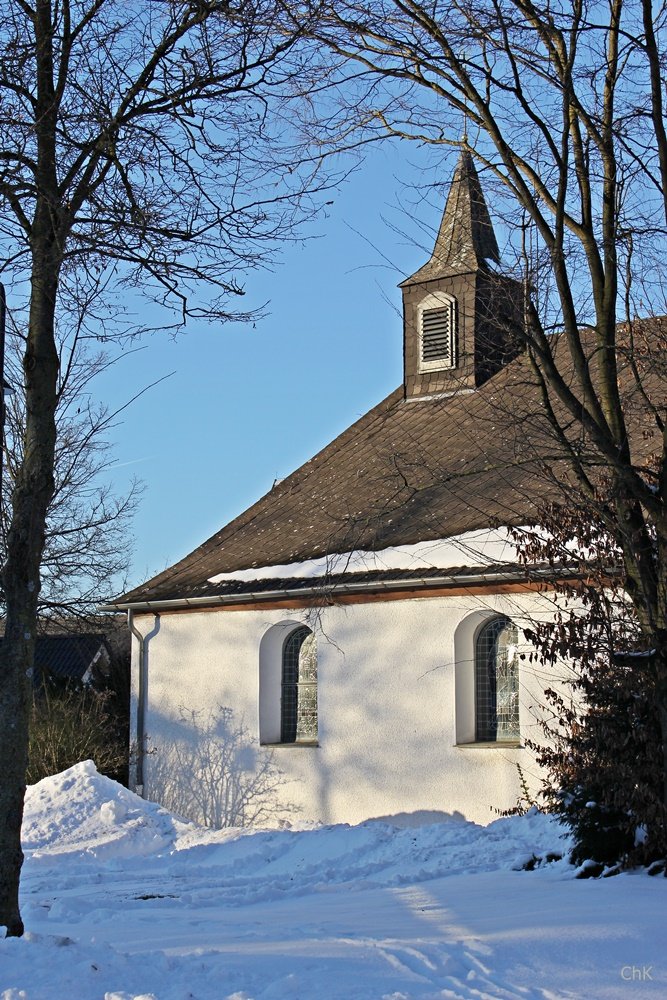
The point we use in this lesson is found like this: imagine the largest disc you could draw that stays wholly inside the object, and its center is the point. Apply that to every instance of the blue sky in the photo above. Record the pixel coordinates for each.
(249, 405)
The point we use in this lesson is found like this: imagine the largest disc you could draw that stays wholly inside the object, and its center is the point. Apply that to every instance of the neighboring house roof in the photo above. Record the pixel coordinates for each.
(66, 656)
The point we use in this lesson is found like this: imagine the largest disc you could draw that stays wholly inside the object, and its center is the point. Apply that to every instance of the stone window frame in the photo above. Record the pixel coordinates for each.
(466, 635)
(271, 647)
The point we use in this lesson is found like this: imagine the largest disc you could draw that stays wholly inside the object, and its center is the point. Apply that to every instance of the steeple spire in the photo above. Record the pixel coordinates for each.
(461, 316)
(466, 239)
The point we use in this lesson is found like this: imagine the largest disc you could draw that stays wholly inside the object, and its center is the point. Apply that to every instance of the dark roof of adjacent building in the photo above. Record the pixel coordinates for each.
(66, 656)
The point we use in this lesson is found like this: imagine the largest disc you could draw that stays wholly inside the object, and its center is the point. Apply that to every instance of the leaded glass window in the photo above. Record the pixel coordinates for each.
(299, 688)
(497, 682)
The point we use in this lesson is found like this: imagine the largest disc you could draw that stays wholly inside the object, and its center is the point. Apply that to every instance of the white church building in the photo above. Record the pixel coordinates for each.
(352, 645)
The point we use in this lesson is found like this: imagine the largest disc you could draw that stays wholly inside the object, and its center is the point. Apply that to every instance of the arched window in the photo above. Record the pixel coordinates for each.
(298, 703)
(497, 682)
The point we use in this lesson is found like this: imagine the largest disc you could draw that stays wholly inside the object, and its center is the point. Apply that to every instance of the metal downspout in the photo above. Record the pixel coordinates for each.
(141, 705)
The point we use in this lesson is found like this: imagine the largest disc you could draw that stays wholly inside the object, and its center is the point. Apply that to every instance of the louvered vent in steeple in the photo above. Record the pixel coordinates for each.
(437, 334)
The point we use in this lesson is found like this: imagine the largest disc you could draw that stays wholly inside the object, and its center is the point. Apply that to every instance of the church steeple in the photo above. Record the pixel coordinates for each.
(460, 314)
(466, 239)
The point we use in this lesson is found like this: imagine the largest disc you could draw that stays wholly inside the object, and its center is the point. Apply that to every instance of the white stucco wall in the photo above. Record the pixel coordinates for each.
(394, 688)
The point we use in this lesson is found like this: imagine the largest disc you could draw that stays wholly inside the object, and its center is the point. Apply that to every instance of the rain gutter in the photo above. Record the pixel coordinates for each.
(316, 589)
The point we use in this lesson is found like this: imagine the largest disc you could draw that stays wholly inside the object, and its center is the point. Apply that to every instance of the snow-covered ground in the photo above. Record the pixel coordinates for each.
(123, 901)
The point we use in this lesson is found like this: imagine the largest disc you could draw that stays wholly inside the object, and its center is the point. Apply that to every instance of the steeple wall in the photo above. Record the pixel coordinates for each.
(460, 374)
(487, 313)
(498, 323)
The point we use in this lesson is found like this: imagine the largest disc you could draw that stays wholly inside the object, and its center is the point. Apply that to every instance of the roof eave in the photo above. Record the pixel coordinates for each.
(317, 590)
(419, 278)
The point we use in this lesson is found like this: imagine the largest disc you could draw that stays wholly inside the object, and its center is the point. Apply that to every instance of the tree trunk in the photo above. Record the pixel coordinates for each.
(14, 735)
(661, 685)
(32, 494)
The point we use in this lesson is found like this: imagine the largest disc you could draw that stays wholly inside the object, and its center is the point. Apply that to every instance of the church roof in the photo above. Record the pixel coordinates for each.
(406, 472)
(465, 240)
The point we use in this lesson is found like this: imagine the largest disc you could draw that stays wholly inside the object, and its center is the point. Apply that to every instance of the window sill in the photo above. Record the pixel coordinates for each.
(492, 745)
(300, 743)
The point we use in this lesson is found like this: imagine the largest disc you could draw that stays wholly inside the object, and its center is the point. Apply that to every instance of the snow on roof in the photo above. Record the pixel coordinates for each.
(475, 548)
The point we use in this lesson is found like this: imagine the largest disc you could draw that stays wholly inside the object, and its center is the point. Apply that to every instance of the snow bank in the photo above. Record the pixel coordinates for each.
(81, 812)
(275, 863)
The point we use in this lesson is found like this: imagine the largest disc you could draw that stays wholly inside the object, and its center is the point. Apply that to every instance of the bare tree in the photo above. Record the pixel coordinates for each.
(142, 150)
(88, 538)
(562, 105)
